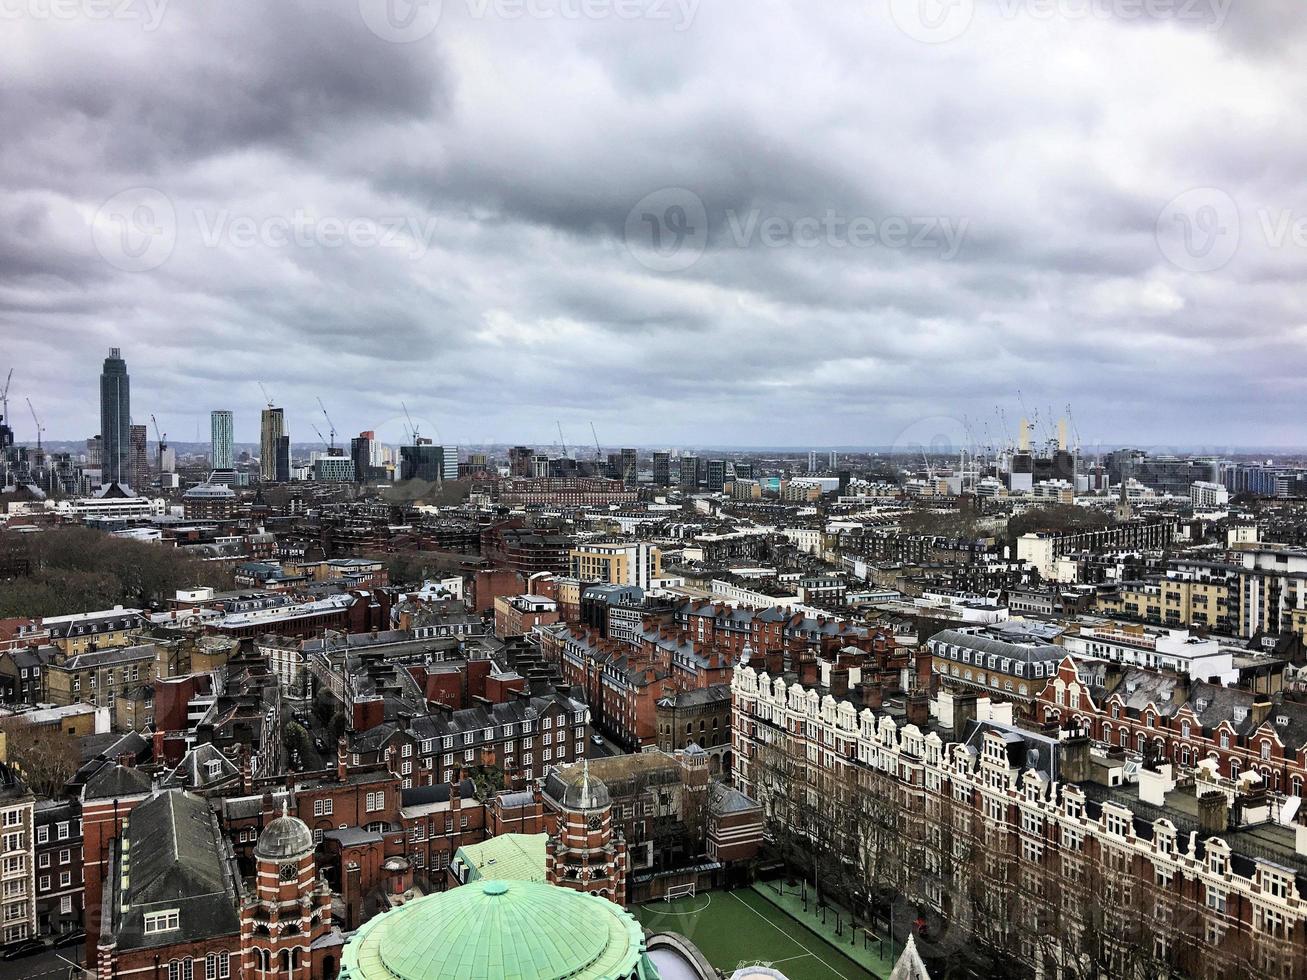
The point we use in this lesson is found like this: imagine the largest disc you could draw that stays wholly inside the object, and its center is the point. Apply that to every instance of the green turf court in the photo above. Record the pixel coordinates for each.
(739, 927)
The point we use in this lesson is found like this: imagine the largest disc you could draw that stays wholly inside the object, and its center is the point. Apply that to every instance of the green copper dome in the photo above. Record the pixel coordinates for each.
(500, 930)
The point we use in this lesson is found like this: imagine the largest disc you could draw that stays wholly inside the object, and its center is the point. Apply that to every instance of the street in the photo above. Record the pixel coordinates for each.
(51, 965)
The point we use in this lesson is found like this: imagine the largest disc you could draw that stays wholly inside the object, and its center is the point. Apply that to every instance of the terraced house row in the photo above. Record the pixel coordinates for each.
(1033, 849)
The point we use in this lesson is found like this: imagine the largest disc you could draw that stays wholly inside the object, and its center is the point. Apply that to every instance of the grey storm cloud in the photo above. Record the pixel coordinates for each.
(764, 223)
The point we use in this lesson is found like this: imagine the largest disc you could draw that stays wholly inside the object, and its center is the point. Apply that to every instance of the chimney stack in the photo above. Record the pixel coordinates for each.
(872, 694)
(1213, 814)
(918, 709)
(839, 682)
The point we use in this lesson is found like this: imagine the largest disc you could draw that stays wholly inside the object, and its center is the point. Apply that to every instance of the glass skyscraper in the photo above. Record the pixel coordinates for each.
(220, 427)
(115, 419)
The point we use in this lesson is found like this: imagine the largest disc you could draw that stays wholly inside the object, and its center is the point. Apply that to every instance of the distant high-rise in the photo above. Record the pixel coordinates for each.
(222, 450)
(629, 470)
(282, 474)
(138, 457)
(115, 419)
(662, 469)
(360, 451)
(273, 428)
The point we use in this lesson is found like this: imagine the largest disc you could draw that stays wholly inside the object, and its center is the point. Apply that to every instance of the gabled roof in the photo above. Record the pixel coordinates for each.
(176, 858)
(114, 781)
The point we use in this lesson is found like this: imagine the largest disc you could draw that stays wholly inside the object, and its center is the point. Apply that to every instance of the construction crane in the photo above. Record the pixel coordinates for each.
(561, 440)
(4, 397)
(598, 454)
(162, 441)
(266, 397)
(411, 427)
(38, 423)
(331, 426)
(320, 436)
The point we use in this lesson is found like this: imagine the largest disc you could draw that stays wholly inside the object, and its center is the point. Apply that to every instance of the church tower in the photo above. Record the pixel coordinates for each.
(290, 906)
(587, 853)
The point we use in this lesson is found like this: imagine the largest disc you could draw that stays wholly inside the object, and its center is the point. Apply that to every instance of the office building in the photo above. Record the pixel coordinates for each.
(361, 451)
(629, 468)
(716, 475)
(662, 469)
(115, 419)
(423, 461)
(272, 429)
(334, 468)
(689, 472)
(636, 563)
(138, 457)
(282, 470)
(220, 428)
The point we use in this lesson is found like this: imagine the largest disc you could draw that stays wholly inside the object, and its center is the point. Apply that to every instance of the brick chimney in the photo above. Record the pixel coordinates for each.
(839, 682)
(342, 756)
(872, 694)
(808, 672)
(774, 661)
(918, 709)
(1259, 711)
(158, 745)
(1213, 814)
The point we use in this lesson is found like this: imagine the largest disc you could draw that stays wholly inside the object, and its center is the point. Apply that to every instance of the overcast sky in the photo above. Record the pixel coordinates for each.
(753, 222)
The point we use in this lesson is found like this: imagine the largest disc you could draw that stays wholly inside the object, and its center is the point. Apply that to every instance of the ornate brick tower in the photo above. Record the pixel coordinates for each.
(290, 906)
(587, 853)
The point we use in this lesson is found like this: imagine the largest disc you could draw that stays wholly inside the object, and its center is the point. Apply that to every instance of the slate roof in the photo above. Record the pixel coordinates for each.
(1025, 749)
(193, 770)
(177, 858)
(114, 781)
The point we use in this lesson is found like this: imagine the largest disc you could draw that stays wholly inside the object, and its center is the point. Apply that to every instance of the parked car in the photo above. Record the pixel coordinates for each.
(24, 947)
(70, 939)
(597, 739)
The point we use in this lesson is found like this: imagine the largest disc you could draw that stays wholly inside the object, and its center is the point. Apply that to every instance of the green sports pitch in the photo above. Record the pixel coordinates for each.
(739, 928)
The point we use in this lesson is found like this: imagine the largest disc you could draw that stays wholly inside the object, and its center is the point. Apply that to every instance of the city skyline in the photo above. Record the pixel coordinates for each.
(515, 287)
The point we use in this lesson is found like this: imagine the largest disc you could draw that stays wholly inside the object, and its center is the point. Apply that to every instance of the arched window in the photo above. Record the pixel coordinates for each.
(211, 967)
(285, 960)
(1297, 786)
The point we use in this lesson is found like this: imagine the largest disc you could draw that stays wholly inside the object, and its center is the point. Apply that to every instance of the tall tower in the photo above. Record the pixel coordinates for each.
(138, 469)
(271, 431)
(289, 907)
(587, 853)
(115, 419)
(220, 429)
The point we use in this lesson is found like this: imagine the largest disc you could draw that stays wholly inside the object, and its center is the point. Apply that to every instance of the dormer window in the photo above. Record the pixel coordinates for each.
(1281, 720)
(165, 921)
